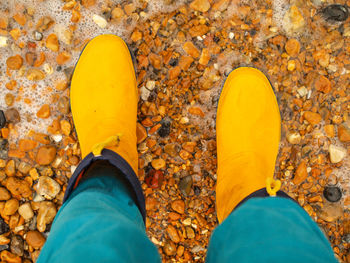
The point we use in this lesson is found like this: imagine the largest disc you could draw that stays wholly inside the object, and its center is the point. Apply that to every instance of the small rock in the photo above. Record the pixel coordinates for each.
(154, 179)
(35, 239)
(117, 13)
(65, 127)
(14, 62)
(332, 193)
(46, 214)
(52, 42)
(191, 50)
(3, 148)
(300, 174)
(45, 155)
(17, 245)
(292, 47)
(335, 13)
(200, 5)
(63, 105)
(11, 206)
(331, 212)
(47, 187)
(34, 74)
(44, 112)
(3, 41)
(24, 167)
(293, 21)
(12, 115)
(329, 129)
(141, 133)
(344, 133)
(38, 36)
(185, 185)
(27, 145)
(100, 21)
(336, 153)
(172, 149)
(294, 137)
(4, 228)
(18, 187)
(63, 57)
(312, 117)
(9, 100)
(2, 119)
(178, 206)
(158, 164)
(169, 248)
(26, 211)
(323, 84)
(205, 57)
(190, 232)
(10, 168)
(164, 131)
(4, 194)
(173, 234)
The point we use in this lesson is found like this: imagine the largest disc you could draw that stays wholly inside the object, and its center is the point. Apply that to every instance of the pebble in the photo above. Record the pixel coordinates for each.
(185, 185)
(4, 228)
(17, 245)
(10, 168)
(46, 214)
(344, 133)
(24, 167)
(164, 130)
(331, 212)
(191, 50)
(292, 47)
(3, 41)
(329, 129)
(336, 153)
(47, 187)
(100, 21)
(52, 43)
(34, 74)
(14, 62)
(173, 234)
(3, 148)
(312, 117)
(45, 155)
(190, 232)
(293, 21)
(38, 36)
(4, 194)
(335, 13)
(12, 115)
(323, 84)
(18, 187)
(117, 13)
(26, 145)
(63, 105)
(65, 127)
(294, 137)
(9, 99)
(26, 211)
(35, 239)
(154, 179)
(158, 164)
(172, 149)
(300, 174)
(10, 207)
(169, 248)
(200, 5)
(178, 206)
(2, 119)
(141, 133)
(332, 193)
(44, 112)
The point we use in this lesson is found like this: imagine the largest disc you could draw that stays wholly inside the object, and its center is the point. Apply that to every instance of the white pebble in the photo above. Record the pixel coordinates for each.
(3, 41)
(150, 84)
(100, 21)
(337, 153)
(231, 35)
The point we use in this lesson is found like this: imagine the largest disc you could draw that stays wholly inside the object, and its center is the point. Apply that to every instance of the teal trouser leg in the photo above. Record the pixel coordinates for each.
(99, 223)
(269, 230)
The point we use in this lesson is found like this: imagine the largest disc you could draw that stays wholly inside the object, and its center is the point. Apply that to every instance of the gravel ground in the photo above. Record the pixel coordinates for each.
(183, 52)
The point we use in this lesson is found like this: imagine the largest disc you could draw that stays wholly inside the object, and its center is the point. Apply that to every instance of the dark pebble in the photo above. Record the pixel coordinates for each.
(12, 115)
(2, 119)
(3, 148)
(185, 185)
(197, 190)
(4, 247)
(164, 131)
(335, 13)
(17, 245)
(332, 193)
(4, 228)
(154, 179)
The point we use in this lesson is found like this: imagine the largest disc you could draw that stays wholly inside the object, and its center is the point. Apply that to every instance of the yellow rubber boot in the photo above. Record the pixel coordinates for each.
(104, 99)
(248, 133)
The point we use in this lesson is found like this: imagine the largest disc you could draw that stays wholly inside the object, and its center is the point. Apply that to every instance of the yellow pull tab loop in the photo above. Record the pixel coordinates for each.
(272, 186)
(111, 141)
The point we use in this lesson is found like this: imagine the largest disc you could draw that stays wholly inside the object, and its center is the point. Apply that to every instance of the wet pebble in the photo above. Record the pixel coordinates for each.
(4, 228)
(47, 187)
(154, 179)
(46, 155)
(2, 119)
(335, 13)
(185, 185)
(35, 239)
(332, 193)
(12, 115)
(17, 245)
(3, 148)
(164, 131)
